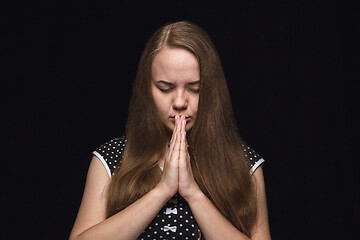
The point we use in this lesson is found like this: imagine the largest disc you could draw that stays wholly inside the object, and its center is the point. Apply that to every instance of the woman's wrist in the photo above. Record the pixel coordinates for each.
(161, 193)
(195, 196)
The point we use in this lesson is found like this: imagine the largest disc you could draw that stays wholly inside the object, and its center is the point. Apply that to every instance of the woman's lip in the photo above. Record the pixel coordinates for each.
(173, 118)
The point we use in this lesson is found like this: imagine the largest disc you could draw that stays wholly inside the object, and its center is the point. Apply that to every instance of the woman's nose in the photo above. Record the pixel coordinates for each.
(180, 102)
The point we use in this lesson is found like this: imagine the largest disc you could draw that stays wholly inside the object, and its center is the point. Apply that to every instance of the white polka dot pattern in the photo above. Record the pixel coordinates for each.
(175, 220)
(112, 152)
(255, 160)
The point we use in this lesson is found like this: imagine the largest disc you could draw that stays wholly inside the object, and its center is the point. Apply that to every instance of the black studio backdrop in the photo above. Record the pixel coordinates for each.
(66, 77)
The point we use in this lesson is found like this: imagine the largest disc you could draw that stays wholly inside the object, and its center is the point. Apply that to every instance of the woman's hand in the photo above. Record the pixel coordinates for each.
(177, 174)
(187, 184)
(169, 181)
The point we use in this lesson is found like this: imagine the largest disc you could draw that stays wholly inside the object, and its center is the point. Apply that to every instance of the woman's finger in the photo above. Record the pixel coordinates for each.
(174, 158)
(174, 131)
(173, 139)
(175, 142)
(183, 124)
(183, 148)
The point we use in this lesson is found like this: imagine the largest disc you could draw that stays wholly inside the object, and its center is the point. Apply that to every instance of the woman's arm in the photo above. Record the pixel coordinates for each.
(91, 222)
(215, 226)
(210, 220)
(261, 229)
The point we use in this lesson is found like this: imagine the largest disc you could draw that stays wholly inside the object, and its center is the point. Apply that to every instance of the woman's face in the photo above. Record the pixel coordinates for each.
(175, 82)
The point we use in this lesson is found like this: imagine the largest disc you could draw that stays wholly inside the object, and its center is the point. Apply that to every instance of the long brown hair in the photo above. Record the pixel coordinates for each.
(217, 158)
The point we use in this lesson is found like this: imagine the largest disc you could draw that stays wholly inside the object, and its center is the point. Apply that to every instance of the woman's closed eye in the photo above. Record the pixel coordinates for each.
(194, 86)
(165, 89)
(169, 89)
(164, 86)
(194, 89)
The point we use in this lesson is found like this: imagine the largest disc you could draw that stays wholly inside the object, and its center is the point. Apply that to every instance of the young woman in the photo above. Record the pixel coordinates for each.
(181, 171)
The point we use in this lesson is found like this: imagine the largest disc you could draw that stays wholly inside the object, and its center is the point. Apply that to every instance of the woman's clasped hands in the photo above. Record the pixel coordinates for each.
(177, 175)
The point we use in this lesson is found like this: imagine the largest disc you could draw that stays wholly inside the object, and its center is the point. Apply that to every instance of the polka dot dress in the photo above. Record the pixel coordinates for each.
(175, 220)
(255, 159)
(111, 153)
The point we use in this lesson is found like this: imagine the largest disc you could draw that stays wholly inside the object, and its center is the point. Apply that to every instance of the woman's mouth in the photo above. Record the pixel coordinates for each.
(187, 118)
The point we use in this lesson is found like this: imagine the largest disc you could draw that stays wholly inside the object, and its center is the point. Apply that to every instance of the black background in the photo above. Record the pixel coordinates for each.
(66, 75)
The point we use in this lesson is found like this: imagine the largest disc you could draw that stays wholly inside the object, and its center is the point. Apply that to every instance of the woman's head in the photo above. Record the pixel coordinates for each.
(196, 92)
(175, 81)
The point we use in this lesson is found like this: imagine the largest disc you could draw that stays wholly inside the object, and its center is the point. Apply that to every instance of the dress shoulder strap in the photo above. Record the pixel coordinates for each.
(111, 154)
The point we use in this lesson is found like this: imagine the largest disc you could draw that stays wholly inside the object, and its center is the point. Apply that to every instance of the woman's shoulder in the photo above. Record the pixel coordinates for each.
(110, 153)
(255, 160)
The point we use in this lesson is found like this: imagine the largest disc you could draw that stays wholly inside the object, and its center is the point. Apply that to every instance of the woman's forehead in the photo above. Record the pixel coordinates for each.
(175, 65)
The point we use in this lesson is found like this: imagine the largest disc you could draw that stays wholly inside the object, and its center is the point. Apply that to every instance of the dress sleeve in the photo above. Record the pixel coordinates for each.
(111, 153)
(254, 159)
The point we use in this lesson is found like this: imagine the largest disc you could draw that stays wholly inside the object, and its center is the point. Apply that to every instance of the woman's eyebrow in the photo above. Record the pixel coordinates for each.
(194, 83)
(171, 84)
(165, 82)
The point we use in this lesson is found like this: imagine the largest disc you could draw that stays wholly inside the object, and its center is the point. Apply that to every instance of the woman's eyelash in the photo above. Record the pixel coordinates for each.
(165, 89)
(194, 90)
